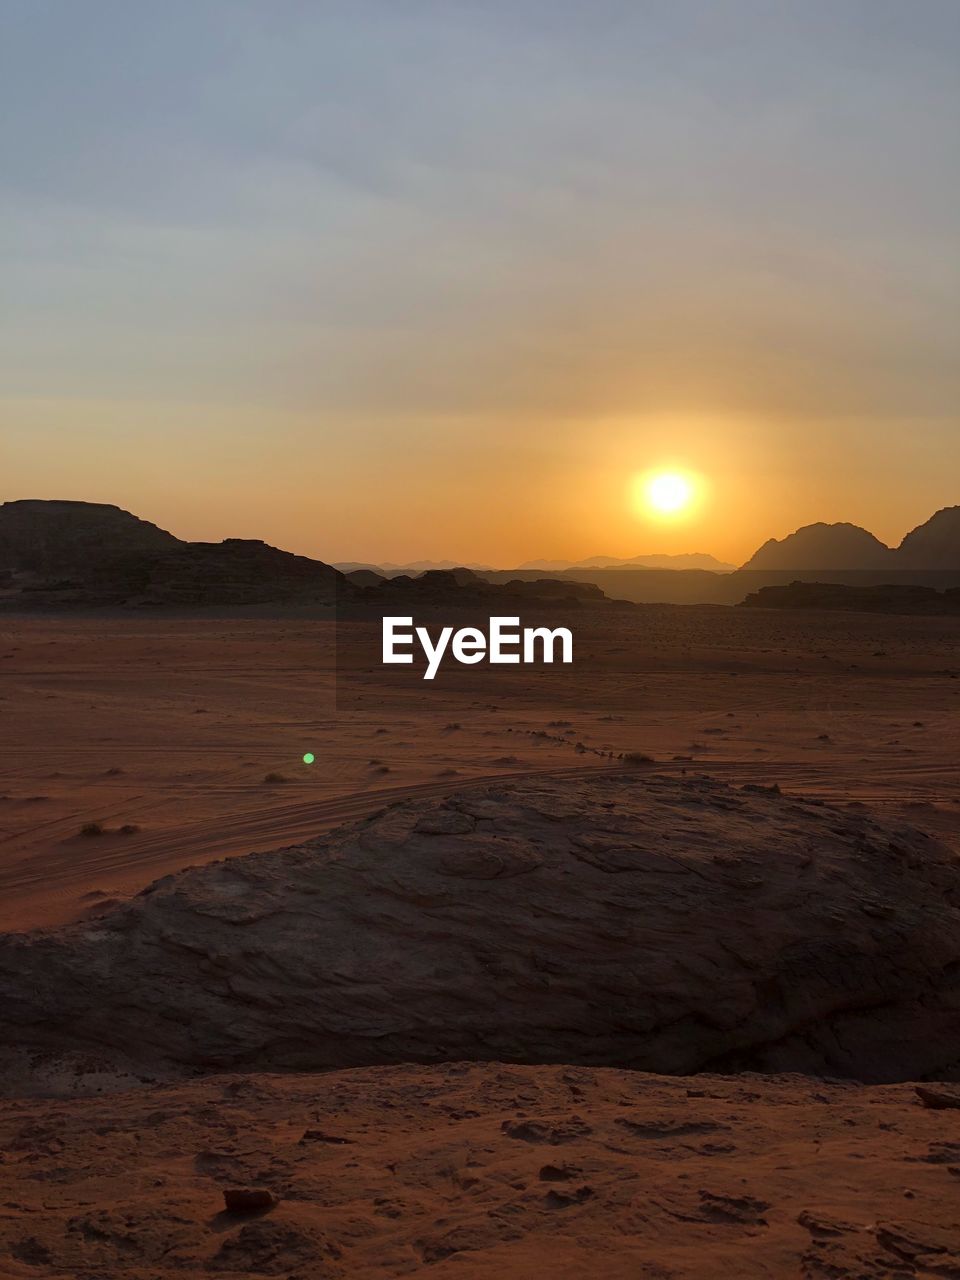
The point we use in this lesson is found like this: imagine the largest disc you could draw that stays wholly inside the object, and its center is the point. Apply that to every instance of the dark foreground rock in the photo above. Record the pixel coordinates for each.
(248, 1199)
(629, 920)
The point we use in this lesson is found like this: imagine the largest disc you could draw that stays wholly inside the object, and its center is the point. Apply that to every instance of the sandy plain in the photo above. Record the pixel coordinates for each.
(192, 730)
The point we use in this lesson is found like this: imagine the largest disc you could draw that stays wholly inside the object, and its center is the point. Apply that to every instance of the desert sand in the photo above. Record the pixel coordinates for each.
(485, 1170)
(173, 726)
(809, 765)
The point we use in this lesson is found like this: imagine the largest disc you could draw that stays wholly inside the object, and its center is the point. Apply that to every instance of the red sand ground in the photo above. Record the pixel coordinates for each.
(479, 1171)
(173, 725)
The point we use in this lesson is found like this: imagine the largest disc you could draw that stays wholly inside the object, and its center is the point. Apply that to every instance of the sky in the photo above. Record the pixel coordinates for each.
(401, 279)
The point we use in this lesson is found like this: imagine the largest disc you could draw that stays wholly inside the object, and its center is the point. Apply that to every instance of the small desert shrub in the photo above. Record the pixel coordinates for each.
(453, 725)
(636, 758)
(273, 778)
(92, 829)
(129, 829)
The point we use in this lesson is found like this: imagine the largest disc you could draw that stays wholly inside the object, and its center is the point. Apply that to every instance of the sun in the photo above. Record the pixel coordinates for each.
(669, 492)
(666, 493)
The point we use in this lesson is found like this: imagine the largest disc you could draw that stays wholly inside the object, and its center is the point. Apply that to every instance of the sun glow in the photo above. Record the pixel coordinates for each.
(665, 494)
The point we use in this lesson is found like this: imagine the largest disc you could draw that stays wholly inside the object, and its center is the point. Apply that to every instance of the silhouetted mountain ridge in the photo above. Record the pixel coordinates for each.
(684, 560)
(88, 539)
(90, 555)
(94, 555)
(935, 544)
(390, 570)
(822, 546)
(78, 554)
(904, 598)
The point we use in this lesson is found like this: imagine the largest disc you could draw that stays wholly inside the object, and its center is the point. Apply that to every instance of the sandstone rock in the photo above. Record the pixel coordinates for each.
(823, 546)
(67, 539)
(583, 920)
(938, 1099)
(248, 1199)
(935, 544)
(821, 1179)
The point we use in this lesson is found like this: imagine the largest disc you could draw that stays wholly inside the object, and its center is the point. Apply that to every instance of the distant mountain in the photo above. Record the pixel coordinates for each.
(882, 598)
(823, 546)
(59, 554)
(390, 570)
(89, 539)
(237, 571)
(466, 587)
(89, 554)
(363, 577)
(548, 566)
(85, 555)
(427, 566)
(690, 560)
(933, 545)
(687, 560)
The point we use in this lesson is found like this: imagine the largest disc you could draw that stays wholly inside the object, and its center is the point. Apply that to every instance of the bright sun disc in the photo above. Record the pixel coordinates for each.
(668, 492)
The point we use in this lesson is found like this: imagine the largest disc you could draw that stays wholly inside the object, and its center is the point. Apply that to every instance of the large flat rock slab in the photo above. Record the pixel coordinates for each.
(671, 925)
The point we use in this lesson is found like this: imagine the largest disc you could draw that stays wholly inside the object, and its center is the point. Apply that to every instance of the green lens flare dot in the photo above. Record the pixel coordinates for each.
(308, 757)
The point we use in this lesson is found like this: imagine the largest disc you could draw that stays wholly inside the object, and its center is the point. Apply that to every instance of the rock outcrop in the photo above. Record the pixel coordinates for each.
(83, 540)
(671, 925)
(88, 555)
(887, 598)
(238, 571)
(69, 555)
(685, 560)
(934, 544)
(463, 588)
(824, 546)
(467, 1171)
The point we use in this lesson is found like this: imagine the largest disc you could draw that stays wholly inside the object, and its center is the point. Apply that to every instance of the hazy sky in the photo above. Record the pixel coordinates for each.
(385, 279)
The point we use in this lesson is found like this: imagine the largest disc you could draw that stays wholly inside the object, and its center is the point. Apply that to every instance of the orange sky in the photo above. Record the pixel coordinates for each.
(489, 492)
(391, 282)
